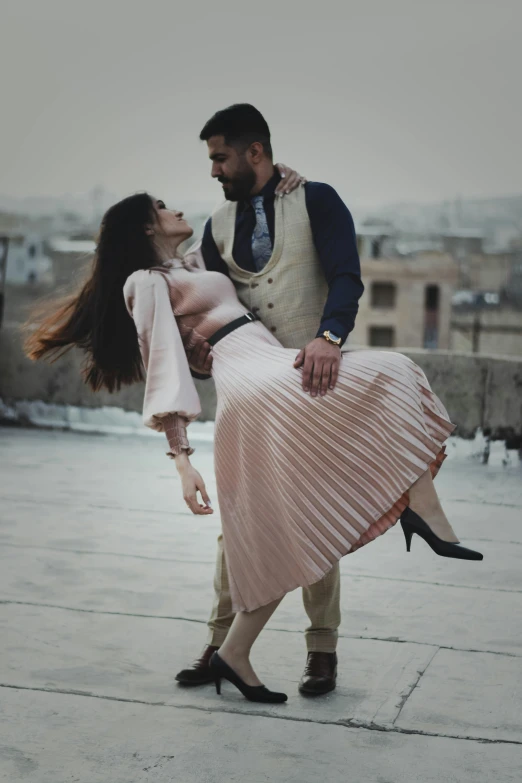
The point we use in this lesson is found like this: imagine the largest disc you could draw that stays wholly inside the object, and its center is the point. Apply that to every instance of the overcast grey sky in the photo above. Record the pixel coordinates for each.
(388, 100)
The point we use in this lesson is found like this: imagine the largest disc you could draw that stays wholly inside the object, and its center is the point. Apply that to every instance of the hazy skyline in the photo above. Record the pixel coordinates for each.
(387, 101)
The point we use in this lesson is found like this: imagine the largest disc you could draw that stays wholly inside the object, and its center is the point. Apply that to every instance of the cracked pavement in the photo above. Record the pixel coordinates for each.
(105, 588)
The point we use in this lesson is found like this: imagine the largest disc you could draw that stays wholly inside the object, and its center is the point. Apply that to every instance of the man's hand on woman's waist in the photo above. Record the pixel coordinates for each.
(320, 361)
(200, 359)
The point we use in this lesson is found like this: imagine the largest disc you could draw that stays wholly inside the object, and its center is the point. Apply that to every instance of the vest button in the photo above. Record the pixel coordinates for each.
(269, 280)
(270, 305)
(273, 328)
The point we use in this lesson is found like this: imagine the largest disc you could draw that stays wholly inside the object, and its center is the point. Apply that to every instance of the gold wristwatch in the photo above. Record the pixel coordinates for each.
(331, 338)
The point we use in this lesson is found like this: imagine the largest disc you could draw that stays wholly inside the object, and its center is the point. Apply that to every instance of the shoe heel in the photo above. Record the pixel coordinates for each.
(222, 671)
(408, 535)
(412, 523)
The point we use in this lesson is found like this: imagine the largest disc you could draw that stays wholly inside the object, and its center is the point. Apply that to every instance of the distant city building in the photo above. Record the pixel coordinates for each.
(487, 317)
(513, 290)
(375, 238)
(461, 243)
(488, 326)
(4, 244)
(70, 257)
(488, 271)
(27, 262)
(407, 301)
(451, 289)
(428, 283)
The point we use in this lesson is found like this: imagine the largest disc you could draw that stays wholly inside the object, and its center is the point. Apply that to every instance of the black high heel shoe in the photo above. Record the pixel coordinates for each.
(222, 671)
(412, 523)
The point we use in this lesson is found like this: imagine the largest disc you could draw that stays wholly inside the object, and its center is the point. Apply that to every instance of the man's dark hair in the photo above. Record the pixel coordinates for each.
(241, 125)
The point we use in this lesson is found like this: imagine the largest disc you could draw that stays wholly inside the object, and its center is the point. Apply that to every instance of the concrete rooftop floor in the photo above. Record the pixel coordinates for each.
(105, 588)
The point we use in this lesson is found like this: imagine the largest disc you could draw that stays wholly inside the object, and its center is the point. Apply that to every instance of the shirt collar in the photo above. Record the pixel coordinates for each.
(267, 192)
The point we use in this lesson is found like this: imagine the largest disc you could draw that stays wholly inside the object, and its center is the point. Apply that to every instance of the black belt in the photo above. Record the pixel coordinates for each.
(245, 319)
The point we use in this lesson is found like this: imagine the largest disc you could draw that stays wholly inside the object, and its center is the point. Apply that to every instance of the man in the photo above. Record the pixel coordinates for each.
(294, 262)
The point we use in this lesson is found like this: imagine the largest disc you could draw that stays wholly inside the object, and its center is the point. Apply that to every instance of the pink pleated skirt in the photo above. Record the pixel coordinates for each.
(303, 481)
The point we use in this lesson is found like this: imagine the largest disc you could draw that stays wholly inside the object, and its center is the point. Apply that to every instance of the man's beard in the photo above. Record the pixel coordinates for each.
(239, 187)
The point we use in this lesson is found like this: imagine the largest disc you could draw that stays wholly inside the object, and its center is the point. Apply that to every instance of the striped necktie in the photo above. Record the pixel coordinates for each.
(261, 242)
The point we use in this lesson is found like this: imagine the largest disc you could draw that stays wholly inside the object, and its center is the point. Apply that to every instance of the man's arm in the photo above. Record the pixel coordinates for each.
(200, 361)
(335, 241)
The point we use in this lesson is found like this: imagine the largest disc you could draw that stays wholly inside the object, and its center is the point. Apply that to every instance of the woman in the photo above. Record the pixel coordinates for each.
(301, 481)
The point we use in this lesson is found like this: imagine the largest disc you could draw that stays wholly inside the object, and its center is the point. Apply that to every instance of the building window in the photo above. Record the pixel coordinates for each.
(382, 336)
(383, 295)
(376, 248)
(431, 297)
(32, 251)
(431, 317)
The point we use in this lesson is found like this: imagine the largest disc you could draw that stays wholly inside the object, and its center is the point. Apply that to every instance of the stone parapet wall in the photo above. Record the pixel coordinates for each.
(61, 383)
(478, 391)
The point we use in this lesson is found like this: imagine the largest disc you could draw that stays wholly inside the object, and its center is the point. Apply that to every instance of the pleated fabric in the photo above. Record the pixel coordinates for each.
(303, 481)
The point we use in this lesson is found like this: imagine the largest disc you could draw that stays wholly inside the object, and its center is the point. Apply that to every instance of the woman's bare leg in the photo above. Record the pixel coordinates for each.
(247, 626)
(425, 502)
(243, 632)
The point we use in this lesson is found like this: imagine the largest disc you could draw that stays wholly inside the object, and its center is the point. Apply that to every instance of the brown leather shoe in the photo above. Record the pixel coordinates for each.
(199, 673)
(320, 674)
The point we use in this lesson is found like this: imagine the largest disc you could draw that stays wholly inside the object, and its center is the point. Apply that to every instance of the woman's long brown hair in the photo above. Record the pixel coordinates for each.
(96, 319)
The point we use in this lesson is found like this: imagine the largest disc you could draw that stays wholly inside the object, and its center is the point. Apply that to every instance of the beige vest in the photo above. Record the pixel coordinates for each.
(290, 293)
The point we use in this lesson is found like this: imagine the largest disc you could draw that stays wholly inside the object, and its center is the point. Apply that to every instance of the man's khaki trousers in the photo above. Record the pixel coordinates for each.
(321, 602)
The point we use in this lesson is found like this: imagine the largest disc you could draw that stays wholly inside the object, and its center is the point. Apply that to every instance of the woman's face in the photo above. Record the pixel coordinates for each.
(169, 223)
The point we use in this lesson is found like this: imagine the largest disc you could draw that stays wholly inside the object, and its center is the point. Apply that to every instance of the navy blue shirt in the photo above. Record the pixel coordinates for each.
(334, 239)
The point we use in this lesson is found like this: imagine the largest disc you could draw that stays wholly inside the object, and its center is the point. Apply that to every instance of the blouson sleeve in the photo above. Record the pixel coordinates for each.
(171, 400)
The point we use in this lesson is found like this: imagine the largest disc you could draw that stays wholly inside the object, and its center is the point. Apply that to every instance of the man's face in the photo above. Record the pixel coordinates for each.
(231, 168)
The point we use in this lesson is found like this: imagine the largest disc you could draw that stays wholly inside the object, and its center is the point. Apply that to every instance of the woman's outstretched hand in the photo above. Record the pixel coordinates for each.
(192, 483)
(290, 180)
